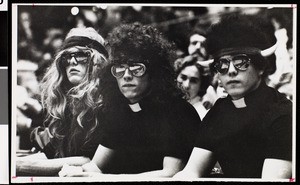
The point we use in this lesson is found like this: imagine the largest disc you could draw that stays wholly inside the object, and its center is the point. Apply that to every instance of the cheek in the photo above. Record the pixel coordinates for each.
(194, 86)
(84, 69)
(119, 83)
(144, 83)
(220, 79)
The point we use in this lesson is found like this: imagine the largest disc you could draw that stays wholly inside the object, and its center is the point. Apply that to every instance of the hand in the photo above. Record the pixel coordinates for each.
(76, 171)
(68, 170)
(84, 174)
(32, 105)
(91, 167)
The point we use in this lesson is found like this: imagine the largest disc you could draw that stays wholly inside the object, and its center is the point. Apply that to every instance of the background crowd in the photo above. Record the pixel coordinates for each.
(41, 30)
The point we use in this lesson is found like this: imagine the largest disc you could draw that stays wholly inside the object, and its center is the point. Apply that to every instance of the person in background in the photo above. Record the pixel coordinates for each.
(71, 101)
(149, 130)
(250, 131)
(29, 108)
(197, 49)
(191, 78)
(282, 78)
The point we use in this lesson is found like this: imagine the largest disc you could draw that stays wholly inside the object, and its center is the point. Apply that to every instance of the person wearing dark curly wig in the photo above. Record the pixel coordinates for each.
(150, 129)
(250, 131)
(191, 78)
(71, 101)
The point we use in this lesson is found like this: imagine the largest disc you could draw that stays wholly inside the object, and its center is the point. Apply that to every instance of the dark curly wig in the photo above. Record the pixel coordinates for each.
(242, 31)
(130, 43)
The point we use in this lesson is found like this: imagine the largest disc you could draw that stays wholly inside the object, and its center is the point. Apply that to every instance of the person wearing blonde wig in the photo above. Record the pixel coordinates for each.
(71, 102)
(249, 132)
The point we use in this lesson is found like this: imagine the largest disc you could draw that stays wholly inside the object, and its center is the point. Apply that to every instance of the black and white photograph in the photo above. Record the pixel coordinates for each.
(153, 92)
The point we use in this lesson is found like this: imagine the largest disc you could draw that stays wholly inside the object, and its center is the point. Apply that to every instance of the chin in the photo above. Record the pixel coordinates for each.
(236, 95)
(75, 81)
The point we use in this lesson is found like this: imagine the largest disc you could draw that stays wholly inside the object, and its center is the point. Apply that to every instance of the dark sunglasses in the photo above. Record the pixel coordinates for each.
(136, 69)
(240, 62)
(80, 57)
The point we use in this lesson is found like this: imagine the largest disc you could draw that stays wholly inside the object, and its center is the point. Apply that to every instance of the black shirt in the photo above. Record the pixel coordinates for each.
(142, 139)
(242, 138)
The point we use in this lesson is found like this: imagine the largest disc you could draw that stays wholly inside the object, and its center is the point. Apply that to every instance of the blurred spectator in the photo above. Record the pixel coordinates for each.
(27, 48)
(51, 44)
(196, 48)
(191, 78)
(282, 78)
(29, 109)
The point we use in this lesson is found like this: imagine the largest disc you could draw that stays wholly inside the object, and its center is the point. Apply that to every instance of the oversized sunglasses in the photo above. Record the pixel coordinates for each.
(80, 57)
(136, 69)
(240, 62)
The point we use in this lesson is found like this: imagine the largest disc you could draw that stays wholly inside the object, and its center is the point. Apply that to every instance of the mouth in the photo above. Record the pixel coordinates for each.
(232, 82)
(73, 71)
(128, 85)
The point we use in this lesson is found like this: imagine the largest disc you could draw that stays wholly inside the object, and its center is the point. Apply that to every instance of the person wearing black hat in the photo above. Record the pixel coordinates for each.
(71, 103)
(250, 131)
(149, 129)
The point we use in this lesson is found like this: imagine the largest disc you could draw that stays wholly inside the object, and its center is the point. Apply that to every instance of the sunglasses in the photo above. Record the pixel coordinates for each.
(136, 69)
(80, 57)
(240, 62)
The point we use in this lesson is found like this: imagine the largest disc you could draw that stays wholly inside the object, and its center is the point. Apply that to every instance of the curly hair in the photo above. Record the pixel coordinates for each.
(140, 43)
(72, 108)
(189, 60)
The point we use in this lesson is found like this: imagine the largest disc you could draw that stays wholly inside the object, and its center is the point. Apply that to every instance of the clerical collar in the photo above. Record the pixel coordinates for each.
(135, 107)
(240, 103)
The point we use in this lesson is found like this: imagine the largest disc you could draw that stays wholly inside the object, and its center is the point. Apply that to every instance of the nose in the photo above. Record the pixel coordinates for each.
(232, 71)
(73, 61)
(127, 75)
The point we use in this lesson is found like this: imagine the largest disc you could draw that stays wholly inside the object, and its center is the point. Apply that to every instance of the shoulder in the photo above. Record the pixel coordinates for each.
(181, 106)
(279, 105)
(182, 113)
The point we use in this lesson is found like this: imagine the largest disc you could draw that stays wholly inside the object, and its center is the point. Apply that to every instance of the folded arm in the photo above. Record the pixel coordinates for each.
(39, 165)
(199, 165)
(171, 166)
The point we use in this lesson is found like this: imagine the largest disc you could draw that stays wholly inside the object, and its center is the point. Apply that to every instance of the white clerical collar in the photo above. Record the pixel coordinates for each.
(135, 107)
(240, 103)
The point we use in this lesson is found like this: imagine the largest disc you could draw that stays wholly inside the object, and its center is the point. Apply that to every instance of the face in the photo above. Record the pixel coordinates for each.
(237, 82)
(196, 45)
(189, 79)
(131, 84)
(76, 63)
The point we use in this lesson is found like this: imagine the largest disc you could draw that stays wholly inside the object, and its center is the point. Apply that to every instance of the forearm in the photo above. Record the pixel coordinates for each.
(164, 173)
(140, 176)
(92, 167)
(277, 169)
(186, 174)
(46, 167)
